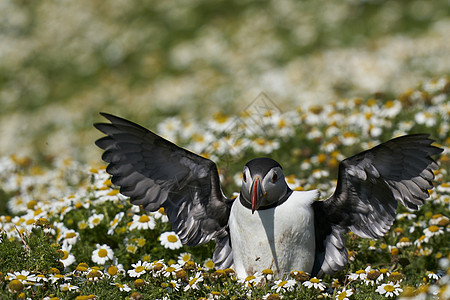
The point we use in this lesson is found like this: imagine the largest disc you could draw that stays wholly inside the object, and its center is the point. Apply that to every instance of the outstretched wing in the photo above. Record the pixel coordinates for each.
(369, 186)
(156, 173)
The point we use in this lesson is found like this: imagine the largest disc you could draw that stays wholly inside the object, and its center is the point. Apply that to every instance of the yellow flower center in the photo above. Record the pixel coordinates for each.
(360, 272)
(113, 193)
(170, 269)
(70, 235)
(144, 219)
(389, 288)
(65, 255)
(342, 295)
(248, 278)
(433, 228)
(139, 269)
(172, 238)
(314, 280)
(186, 257)
(15, 285)
(102, 253)
(193, 281)
(112, 270)
(209, 264)
(140, 242)
(281, 284)
(21, 277)
(260, 141)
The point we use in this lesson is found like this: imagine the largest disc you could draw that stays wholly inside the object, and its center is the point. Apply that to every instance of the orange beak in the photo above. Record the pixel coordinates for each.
(255, 194)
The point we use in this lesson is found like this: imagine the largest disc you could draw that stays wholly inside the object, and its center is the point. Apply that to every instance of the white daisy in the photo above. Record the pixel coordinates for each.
(252, 280)
(67, 287)
(209, 264)
(344, 294)
(57, 277)
(95, 220)
(113, 224)
(183, 258)
(172, 286)
(314, 283)
(284, 285)
(170, 240)
(170, 270)
(69, 236)
(94, 275)
(193, 282)
(360, 274)
(161, 214)
(432, 231)
(403, 242)
(68, 258)
(122, 287)
(389, 289)
(138, 269)
(24, 276)
(102, 254)
(143, 222)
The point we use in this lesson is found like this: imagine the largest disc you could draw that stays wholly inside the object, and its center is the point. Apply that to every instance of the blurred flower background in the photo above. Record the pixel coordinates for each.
(63, 61)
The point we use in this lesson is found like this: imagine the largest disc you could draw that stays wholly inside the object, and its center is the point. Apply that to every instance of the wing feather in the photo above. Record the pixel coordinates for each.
(369, 186)
(156, 173)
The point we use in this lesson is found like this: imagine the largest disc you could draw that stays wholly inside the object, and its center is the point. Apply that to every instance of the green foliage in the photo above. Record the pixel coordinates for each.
(33, 251)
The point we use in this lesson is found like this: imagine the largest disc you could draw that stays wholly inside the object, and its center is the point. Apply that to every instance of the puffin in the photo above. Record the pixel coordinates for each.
(268, 225)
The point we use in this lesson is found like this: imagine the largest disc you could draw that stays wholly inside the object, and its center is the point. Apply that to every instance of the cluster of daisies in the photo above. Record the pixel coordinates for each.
(106, 247)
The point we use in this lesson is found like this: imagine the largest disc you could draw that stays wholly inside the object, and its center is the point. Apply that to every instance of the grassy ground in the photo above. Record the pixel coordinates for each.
(77, 237)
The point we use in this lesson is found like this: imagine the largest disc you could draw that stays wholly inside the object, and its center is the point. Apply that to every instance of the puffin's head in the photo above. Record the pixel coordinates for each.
(263, 183)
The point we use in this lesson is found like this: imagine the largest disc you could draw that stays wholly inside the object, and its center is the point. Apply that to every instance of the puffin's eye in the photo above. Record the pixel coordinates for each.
(244, 177)
(274, 177)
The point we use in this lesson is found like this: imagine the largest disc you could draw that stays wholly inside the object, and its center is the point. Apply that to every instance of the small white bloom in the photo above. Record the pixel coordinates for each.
(389, 289)
(138, 269)
(193, 282)
(314, 283)
(24, 276)
(432, 231)
(252, 280)
(170, 240)
(209, 264)
(67, 287)
(122, 287)
(344, 294)
(68, 258)
(183, 258)
(95, 220)
(143, 222)
(102, 254)
(284, 285)
(113, 224)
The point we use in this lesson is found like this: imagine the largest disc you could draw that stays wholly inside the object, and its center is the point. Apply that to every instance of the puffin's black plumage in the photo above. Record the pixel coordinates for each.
(369, 186)
(261, 165)
(156, 173)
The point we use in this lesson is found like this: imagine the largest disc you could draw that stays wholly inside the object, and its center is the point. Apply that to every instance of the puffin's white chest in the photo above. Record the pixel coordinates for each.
(280, 238)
